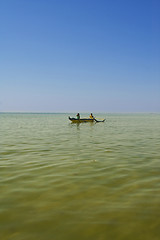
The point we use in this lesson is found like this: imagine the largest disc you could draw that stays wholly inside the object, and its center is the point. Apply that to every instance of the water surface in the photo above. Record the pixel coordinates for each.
(89, 181)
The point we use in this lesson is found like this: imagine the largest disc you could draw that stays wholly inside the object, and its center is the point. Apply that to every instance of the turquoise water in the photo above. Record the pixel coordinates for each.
(92, 181)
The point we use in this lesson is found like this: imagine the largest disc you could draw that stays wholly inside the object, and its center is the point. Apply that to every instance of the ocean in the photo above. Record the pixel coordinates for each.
(92, 181)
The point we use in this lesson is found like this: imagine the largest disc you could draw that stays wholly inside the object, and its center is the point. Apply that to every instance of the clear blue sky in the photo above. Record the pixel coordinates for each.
(80, 55)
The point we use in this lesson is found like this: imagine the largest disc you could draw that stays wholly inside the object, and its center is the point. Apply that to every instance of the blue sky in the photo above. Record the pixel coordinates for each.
(80, 55)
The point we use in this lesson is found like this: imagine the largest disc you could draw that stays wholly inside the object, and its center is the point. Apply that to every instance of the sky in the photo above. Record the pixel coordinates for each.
(79, 56)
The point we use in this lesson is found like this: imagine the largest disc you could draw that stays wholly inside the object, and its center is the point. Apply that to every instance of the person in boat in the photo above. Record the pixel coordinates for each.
(91, 116)
(78, 116)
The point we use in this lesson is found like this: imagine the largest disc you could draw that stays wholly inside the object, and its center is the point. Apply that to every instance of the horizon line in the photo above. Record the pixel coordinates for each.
(38, 112)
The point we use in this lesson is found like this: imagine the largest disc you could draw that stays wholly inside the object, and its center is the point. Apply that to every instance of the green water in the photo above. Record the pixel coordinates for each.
(65, 181)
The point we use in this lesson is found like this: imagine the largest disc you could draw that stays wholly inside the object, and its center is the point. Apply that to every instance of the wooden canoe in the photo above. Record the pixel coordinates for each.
(81, 120)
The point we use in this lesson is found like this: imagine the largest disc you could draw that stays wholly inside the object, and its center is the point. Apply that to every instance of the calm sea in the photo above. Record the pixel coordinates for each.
(63, 181)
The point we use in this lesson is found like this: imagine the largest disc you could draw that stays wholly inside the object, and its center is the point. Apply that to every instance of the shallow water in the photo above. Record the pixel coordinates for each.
(92, 181)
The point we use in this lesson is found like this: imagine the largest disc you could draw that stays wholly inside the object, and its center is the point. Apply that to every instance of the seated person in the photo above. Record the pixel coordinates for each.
(91, 116)
(78, 116)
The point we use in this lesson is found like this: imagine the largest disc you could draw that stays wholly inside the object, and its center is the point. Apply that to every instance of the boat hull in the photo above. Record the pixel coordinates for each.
(81, 120)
